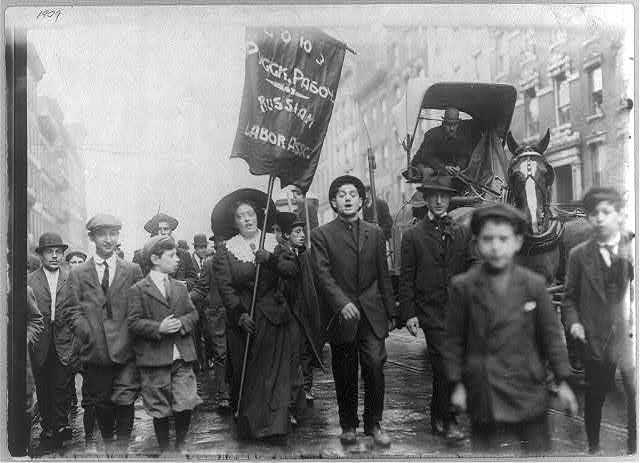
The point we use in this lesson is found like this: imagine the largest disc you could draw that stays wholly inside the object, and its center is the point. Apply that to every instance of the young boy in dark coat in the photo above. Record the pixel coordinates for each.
(161, 319)
(597, 310)
(501, 330)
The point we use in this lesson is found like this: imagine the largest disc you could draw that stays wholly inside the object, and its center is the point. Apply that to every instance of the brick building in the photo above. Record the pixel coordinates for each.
(56, 174)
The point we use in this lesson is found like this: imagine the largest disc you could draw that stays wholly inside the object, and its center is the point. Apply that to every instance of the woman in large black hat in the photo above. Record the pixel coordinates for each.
(271, 367)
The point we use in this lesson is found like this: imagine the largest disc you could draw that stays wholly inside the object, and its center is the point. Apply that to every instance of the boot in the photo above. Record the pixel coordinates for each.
(161, 428)
(182, 420)
(124, 426)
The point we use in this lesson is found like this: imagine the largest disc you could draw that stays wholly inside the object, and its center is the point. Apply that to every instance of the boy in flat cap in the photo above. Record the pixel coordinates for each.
(51, 355)
(110, 379)
(432, 252)
(597, 310)
(163, 224)
(162, 319)
(501, 331)
(350, 263)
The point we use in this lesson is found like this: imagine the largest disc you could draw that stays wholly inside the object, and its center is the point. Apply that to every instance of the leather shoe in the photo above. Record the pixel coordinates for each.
(380, 437)
(64, 433)
(454, 433)
(348, 436)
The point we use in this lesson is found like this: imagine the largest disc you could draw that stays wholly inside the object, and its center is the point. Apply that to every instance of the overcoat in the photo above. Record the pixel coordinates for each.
(607, 323)
(60, 330)
(105, 340)
(498, 346)
(147, 308)
(428, 262)
(352, 270)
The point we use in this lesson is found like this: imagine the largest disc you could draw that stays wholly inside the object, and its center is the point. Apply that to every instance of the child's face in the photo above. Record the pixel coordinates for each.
(605, 219)
(498, 243)
(167, 262)
(297, 236)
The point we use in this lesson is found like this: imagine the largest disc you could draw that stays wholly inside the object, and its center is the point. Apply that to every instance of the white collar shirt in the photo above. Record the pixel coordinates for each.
(614, 244)
(159, 279)
(111, 262)
(52, 279)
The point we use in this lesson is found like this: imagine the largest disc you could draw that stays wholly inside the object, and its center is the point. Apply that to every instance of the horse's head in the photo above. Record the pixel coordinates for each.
(530, 177)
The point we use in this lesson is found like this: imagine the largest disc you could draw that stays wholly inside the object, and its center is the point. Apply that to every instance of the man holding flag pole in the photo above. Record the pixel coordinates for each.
(291, 81)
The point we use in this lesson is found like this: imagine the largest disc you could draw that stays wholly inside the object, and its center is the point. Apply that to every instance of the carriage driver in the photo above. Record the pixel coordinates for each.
(446, 149)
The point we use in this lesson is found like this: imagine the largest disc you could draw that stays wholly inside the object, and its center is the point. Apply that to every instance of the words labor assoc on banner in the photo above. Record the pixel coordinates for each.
(291, 80)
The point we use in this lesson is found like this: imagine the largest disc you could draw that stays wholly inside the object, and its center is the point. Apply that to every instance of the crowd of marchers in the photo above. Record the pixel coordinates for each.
(255, 310)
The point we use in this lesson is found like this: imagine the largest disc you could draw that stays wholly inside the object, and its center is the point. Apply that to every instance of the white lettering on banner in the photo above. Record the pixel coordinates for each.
(286, 104)
(265, 135)
(311, 85)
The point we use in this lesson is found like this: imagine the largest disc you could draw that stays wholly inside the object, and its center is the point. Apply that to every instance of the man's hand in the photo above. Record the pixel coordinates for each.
(567, 398)
(246, 323)
(459, 397)
(413, 325)
(452, 170)
(577, 331)
(170, 325)
(262, 256)
(350, 312)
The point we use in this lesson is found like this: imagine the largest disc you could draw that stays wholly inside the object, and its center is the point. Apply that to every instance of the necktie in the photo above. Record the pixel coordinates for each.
(105, 288)
(167, 289)
(609, 253)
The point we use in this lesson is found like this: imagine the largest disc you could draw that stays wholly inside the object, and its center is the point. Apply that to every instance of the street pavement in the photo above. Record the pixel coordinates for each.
(408, 391)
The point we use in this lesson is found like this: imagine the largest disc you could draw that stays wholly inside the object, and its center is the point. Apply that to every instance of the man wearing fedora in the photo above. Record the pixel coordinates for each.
(163, 224)
(51, 355)
(433, 251)
(110, 378)
(446, 149)
(350, 264)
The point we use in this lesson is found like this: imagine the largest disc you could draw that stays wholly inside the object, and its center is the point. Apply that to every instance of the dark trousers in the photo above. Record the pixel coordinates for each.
(600, 379)
(215, 329)
(531, 437)
(52, 385)
(371, 353)
(440, 408)
(112, 419)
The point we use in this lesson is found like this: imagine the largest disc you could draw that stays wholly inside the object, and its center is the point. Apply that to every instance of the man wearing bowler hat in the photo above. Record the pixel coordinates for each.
(432, 252)
(446, 149)
(51, 355)
(350, 263)
(164, 224)
(110, 379)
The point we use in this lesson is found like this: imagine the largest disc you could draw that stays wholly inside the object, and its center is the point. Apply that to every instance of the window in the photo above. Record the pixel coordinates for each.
(596, 164)
(563, 184)
(531, 111)
(595, 89)
(563, 99)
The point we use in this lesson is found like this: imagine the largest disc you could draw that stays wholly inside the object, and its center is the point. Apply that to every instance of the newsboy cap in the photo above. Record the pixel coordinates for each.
(75, 252)
(503, 212)
(345, 180)
(103, 221)
(50, 240)
(155, 243)
(598, 194)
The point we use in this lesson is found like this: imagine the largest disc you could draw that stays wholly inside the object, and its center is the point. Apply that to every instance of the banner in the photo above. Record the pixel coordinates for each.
(291, 81)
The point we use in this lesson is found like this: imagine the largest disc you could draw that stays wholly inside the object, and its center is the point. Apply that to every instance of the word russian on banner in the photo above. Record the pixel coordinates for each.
(291, 81)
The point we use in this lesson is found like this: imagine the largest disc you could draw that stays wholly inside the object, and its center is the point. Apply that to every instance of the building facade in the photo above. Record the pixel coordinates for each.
(577, 82)
(56, 173)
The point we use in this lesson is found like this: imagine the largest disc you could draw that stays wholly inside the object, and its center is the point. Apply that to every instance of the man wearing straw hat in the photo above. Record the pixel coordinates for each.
(446, 149)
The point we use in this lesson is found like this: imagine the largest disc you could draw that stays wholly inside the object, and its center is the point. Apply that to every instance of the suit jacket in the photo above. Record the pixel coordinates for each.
(607, 324)
(104, 340)
(205, 288)
(353, 271)
(497, 346)
(147, 308)
(59, 330)
(35, 326)
(428, 263)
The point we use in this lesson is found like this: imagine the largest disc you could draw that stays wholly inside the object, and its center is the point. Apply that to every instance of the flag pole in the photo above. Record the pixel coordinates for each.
(307, 224)
(263, 233)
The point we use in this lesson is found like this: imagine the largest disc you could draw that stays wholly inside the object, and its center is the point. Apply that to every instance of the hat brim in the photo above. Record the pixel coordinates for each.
(222, 222)
(61, 245)
(424, 189)
(152, 224)
(75, 253)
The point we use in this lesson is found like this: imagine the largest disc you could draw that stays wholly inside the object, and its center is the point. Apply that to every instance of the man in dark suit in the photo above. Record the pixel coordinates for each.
(432, 252)
(351, 267)
(164, 225)
(35, 325)
(198, 256)
(110, 379)
(52, 353)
